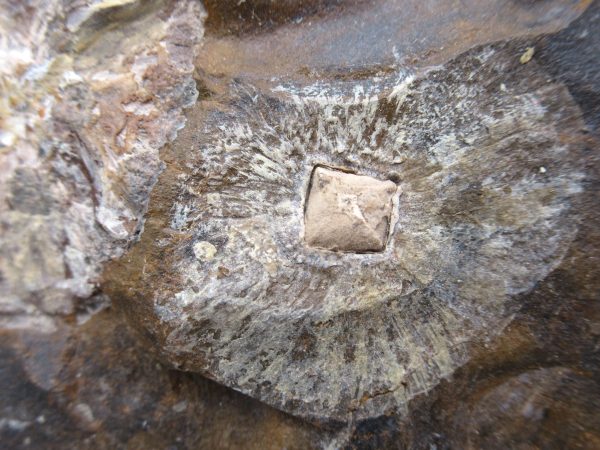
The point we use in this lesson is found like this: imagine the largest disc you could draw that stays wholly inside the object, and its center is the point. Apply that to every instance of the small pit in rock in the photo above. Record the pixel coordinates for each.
(346, 212)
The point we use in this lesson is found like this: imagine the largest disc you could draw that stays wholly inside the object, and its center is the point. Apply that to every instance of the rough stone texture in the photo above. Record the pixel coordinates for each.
(90, 92)
(71, 376)
(491, 158)
(347, 212)
(110, 393)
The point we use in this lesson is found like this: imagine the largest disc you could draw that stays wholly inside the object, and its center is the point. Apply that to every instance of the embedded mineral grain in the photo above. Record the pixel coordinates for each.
(347, 212)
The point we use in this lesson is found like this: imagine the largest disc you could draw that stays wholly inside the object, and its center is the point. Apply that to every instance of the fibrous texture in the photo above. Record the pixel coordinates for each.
(472, 320)
(484, 151)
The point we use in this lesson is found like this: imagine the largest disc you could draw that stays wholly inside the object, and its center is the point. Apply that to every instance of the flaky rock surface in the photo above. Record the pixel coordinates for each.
(90, 92)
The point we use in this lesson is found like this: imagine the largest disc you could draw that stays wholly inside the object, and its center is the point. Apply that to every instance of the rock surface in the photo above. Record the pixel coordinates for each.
(90, 92)
(347, 212)
(490, 278)
(490, 154)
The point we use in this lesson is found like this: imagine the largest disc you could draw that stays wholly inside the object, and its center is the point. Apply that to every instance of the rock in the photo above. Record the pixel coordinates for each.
(527, 55)
(339, 337)
(347, 212)
(476, 326)
(91, 92)
(109, 392)
(204, 251)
